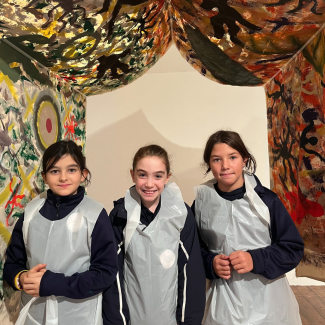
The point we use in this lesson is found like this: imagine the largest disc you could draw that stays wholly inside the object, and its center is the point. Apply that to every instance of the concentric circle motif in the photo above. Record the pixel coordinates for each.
(47, 120)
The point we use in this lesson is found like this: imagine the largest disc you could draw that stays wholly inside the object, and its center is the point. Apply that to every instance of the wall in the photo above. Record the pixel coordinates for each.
(296, 128)
(36, 109)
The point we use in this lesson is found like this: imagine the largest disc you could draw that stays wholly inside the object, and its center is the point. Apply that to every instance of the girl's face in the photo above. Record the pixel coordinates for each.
(65, 176)
(150, 177)
(226, 165)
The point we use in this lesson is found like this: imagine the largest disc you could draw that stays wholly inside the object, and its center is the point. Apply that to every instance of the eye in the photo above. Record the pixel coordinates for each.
(158, 176)
(72, 170)
(216, 159)
(142, 175)
(233, 157)
(54, 171)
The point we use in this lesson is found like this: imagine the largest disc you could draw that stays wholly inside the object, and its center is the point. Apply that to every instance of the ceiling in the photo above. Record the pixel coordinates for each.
(101, 45)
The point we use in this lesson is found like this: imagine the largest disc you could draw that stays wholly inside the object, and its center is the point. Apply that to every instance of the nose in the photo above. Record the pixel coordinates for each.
(225, 164)
(149, 182)
(63, 176)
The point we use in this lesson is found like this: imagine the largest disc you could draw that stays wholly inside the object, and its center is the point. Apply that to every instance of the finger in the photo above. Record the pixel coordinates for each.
(242, 271)
(224, 262)
(233, 256)
(35, 275)
(37, 268)
(226, 277)
(223, 257)
(224, 268)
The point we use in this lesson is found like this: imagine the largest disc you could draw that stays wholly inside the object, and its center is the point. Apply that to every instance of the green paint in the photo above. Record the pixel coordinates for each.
(218, 63)
(314, 53)
(88, 27)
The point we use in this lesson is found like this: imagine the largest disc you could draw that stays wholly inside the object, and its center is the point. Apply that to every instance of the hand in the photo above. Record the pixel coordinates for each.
(222, 267)
(241, 261)
(30, 281)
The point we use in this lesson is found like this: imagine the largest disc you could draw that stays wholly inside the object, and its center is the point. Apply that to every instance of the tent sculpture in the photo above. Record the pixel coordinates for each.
(52, 53)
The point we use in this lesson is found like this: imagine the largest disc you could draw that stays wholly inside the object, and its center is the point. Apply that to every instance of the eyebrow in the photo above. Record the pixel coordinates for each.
(233, 153)
(143, 171)
(74, 165)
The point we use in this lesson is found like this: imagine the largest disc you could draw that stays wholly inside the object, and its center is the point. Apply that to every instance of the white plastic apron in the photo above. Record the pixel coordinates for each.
(65, 246)
(151, 271)
(229, 226)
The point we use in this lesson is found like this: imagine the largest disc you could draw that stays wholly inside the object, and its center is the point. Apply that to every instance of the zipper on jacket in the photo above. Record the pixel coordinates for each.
(57, 207)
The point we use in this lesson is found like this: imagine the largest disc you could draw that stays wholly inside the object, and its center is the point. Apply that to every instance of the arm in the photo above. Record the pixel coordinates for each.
(16, 255)
(115, 308)
(191, 278)
(287, 246)
(207, 256)
(102, 271)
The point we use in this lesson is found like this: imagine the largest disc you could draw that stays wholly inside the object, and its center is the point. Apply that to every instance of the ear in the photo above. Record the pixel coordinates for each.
(245, 161)
(132, 175)
(44, 177)
(84, 174)
(168, 177)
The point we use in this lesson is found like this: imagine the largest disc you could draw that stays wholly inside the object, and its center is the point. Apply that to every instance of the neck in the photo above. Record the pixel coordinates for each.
(152, 206)
(230, 188)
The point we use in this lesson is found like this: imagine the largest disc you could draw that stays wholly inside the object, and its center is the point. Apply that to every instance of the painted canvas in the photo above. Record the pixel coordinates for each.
(243, 42)
(101, 45)
(296, 129)
(36, 109)
(96, 46)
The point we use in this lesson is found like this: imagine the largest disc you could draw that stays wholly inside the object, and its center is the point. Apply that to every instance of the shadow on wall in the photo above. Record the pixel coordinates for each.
(110, 152)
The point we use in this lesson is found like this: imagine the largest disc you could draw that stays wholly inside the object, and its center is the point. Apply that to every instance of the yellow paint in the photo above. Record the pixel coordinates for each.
(30, 103)
(5, 194)
(26, 180)
(14, 65)
(67, 110)
(321, 131)
(4, 233)
(10, 84)
(11, 126)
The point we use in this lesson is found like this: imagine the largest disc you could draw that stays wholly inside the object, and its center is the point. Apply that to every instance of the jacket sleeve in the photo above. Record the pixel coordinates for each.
(207, 256)
(16, 256)
(102, 271)
(286, 250)
(115, 308)
(191, 277)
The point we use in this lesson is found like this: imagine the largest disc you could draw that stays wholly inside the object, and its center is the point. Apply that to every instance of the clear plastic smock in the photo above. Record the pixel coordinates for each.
(65, 246)
(229, 226)
(151, 271)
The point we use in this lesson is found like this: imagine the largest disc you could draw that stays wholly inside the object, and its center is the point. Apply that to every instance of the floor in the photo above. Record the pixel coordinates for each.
(311, 303)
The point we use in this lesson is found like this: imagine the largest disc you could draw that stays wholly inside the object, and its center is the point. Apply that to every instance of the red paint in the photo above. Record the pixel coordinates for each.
(13, 201)
(49, 125)
(302, 206)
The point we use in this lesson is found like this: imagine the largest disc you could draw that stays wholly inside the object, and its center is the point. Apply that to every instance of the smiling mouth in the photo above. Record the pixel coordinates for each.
(149, 192)
(66, 185)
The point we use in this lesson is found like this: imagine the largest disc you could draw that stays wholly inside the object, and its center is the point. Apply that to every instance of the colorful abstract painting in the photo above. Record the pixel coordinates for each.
(101, 45)
(296, 129)
(243, 42)
(96, 46)
(36, 109)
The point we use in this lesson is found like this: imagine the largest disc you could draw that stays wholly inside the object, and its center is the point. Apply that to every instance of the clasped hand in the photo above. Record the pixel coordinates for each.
(240, 261)
(30, 281)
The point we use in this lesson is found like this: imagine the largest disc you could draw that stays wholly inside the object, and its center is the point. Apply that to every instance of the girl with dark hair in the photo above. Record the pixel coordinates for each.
(62, 254)
(248, 240)
(162, 279)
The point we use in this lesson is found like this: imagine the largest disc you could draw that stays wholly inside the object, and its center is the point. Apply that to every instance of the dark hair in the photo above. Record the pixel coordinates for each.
(152, 150)
(233, 140)
(61, 148)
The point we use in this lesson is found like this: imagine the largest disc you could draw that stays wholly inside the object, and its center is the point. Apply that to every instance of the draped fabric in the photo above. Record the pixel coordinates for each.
(296, 129)
(100, 45)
